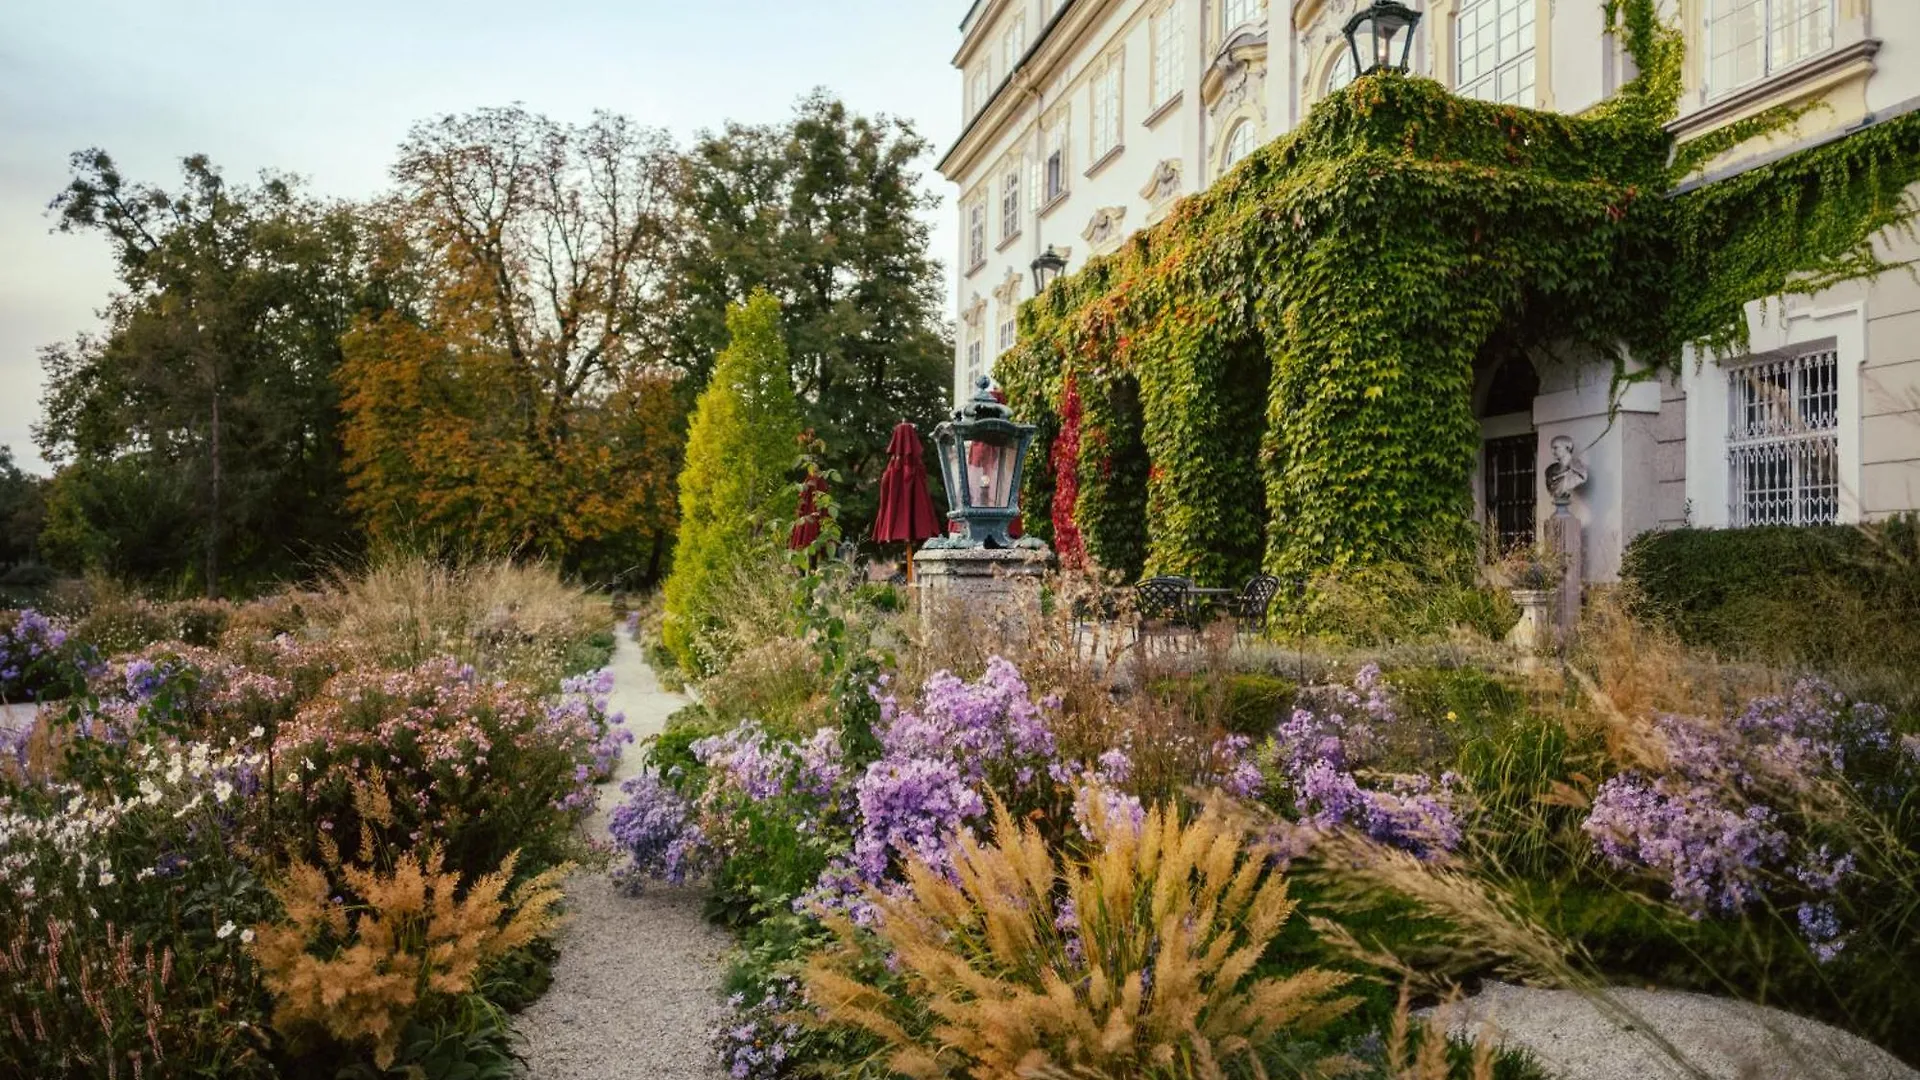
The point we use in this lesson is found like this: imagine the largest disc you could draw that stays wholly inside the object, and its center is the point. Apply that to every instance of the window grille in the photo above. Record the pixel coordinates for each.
(1010, 204)
(1014, 45)
(1240, 143)
(1343, 72)
(1748, 40)
(980, 86)
(974, 360)
(1169, 66)
(976, 233)
(1511, 489)
(1494, 42)
(1233, 13)
(1783, 441)
(1104, 118)
(1009, 330)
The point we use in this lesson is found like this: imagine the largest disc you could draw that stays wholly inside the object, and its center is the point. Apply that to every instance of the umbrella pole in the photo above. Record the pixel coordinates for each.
(909, 562)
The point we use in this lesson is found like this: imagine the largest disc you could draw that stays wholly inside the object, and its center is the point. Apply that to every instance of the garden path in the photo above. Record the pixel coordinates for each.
(636, 990)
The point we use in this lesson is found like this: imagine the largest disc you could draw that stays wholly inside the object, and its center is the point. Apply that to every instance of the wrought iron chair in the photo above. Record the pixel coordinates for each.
(1251, 606)
(1160, 606)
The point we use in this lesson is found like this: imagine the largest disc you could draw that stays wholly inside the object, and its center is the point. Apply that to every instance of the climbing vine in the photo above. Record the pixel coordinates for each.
(1280, 373)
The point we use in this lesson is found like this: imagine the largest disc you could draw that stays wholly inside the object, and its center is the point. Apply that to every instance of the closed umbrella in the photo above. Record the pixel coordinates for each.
(906, 511)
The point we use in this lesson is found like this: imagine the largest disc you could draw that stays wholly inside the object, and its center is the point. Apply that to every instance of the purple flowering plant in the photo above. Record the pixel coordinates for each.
(1725, 814)
(37, 661)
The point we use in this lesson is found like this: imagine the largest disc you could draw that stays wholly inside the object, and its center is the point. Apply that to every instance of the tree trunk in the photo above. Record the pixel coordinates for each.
(213, 523)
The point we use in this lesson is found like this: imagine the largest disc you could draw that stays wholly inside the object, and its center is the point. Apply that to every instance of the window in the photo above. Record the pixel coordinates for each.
(1494, 41)
(1009, 320)
(1104, 129)
(1234, 13)
(1748, 40)
(1053, 171)
(1783, 441)
(1508, 469)
(1240, 143)
(1169, 66)
(979, 89)
(1013, 46)
(976, 233)
(975, 361)
(1010, 203)
(1343, 72)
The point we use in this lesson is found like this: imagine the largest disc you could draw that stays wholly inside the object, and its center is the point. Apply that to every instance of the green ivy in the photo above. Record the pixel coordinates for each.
(1362, 267)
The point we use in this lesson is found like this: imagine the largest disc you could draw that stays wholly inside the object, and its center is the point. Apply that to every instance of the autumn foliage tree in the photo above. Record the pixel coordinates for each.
(735, 490)
(508, 403)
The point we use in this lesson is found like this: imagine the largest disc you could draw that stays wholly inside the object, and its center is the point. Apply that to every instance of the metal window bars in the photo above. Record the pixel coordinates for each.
(1783, 441)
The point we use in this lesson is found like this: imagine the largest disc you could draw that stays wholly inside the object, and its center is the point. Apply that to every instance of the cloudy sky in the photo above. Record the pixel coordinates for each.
(327, 90)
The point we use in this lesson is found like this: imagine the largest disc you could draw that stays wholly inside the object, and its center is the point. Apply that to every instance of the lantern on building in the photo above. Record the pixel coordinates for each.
(1046, 268)
(981, 454)
(1381, 37)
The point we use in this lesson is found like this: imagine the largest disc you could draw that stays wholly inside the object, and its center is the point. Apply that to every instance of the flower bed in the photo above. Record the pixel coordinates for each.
(285, 856)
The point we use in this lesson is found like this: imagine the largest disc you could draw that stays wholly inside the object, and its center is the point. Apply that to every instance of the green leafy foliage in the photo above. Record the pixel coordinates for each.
(1838, 599)
(734, 486)
(1363, 267)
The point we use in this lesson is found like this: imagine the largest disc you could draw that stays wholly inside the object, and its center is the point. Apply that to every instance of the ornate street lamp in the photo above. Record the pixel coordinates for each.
(1047, 267)
(981, 453)
(1371, 36)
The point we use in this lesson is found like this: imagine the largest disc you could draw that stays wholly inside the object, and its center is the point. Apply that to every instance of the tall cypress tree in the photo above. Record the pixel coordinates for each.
(734, 488)
(824, 213)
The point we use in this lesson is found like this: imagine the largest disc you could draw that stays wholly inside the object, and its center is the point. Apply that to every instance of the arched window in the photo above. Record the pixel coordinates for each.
(1239, 144)
(1343, 72)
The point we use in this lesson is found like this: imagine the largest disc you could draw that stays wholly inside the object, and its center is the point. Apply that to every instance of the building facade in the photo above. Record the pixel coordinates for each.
(1089, 119)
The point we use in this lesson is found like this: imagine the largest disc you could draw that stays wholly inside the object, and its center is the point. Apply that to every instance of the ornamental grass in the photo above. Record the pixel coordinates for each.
(1136, 958)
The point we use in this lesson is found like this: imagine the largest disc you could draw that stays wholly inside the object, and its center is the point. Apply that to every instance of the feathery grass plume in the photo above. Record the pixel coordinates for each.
(362, 972)
(1135, 959)
(1419, 1051)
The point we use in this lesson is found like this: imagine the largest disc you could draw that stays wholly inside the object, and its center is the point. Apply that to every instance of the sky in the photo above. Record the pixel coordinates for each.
(328, 90)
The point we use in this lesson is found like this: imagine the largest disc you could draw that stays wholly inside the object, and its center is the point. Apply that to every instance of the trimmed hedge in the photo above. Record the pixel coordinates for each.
(1840, 599)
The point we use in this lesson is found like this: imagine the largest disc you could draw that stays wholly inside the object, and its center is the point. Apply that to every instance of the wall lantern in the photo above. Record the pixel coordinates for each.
(1372, 33)
(1047, 267)
(981, 453)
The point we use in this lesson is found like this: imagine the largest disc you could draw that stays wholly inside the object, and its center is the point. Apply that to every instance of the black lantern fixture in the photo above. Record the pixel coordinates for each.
(1376, 34)
(1048, 266)
(981, 454)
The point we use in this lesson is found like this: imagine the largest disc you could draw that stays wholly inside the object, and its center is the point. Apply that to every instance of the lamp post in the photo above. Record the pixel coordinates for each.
(1372, 33)
(1046, 268)
(981, 453)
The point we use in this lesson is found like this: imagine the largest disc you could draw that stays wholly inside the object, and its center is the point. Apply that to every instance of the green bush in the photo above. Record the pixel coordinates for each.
(1842, 600)
(1249, 703)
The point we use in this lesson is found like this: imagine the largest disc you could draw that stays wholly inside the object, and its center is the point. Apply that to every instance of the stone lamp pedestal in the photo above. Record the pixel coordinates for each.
(973, 594)
(1533, 634)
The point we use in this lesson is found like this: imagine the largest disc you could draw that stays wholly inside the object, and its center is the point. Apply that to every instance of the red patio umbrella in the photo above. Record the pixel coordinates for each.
(806, 525)
(906, 511)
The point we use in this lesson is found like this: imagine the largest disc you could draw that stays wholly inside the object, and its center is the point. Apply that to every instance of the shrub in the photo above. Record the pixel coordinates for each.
(409, 942)
(474, 768)
(1134, 960)
(1842, 600)
(38, 662)
(740, 448)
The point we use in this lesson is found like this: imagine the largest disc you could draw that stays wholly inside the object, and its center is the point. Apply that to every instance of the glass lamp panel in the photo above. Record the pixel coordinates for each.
(950, 464)
(989, 473)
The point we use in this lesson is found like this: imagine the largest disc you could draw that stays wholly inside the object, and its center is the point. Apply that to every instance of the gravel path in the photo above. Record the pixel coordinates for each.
(637, 987)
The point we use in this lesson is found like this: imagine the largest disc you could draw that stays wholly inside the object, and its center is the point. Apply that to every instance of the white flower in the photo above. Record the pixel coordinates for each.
(222, 791)
(257, 732)
(176, 770)
(307, 763)
(143, 873)
(246, 936)
(225, 931)
(106, 877)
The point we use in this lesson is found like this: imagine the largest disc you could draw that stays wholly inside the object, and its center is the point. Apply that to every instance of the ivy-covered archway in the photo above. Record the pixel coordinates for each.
(1280, 374)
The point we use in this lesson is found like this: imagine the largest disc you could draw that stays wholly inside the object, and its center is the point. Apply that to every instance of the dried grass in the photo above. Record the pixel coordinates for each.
(1155, 981)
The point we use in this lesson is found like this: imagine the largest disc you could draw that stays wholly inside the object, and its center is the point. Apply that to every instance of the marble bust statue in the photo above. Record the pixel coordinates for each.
(1566, 472)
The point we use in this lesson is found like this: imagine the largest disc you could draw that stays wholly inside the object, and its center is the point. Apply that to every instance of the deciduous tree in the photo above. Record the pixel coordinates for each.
(823, 212)
(209, 392)
(513, 403)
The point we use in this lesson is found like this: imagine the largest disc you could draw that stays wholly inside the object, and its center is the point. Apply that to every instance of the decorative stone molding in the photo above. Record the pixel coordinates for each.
(975, 313)
(1164, 184)
(1104, 227)
(1237, 75)
(1008, 291)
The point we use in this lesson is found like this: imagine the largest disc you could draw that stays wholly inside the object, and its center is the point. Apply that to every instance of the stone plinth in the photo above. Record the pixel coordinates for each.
(1561, 543)
(968, 593)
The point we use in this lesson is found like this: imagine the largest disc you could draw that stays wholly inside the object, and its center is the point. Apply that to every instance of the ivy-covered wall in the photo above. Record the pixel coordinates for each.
(1280, 373)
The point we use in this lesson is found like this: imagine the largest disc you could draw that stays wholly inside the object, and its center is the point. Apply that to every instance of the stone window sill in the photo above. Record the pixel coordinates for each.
(1105, 160)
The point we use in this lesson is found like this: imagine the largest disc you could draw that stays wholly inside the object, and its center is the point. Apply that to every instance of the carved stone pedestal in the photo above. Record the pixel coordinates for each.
(1560, 542)
(975, 594)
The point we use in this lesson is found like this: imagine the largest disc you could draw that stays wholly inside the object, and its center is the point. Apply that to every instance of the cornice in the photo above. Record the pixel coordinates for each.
(1050, 49)
(984, 14)
(1810, 77)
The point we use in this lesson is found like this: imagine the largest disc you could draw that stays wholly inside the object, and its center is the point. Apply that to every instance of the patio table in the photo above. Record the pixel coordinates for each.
(1202, 600)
